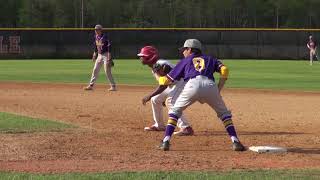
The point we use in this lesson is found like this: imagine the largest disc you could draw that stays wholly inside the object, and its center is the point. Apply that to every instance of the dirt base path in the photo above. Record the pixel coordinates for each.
(111, 136)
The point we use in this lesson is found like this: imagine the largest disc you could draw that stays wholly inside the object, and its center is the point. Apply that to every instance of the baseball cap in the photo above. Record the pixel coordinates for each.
(192, 43)
(98, 27)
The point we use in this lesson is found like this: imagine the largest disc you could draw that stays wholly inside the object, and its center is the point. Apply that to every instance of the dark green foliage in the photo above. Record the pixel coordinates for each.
(161, 13)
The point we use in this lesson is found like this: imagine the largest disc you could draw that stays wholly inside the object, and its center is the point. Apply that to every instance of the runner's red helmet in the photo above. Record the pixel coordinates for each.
(149, 55)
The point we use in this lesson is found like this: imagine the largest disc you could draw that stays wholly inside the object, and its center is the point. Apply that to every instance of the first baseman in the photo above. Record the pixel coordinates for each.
(101, 56)
(149, 56)
(197, 70)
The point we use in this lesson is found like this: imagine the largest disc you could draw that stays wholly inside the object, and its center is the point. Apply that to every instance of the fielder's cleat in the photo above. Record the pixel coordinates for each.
(113, 88)
(154, 128)
(88, 88)
(165, 146)
(237, 146)
(188, 131)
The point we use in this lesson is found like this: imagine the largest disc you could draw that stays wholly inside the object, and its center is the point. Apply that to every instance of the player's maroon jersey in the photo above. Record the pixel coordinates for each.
(312, 44)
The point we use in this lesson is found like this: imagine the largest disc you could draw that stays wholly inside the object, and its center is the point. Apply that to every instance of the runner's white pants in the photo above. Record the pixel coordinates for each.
(169, 96)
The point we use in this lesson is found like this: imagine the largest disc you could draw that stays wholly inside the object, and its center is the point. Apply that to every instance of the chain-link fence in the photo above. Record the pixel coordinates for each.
(223, 43)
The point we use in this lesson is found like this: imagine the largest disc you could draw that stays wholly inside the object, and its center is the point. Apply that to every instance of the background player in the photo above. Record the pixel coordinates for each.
(101, 56)
(312, 46)
(197, 69)
(149, 56)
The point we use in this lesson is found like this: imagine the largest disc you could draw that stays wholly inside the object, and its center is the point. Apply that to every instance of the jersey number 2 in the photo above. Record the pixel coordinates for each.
(198, 64)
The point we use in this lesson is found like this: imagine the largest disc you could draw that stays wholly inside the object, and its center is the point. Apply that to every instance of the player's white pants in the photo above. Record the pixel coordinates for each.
(313, 53)
(169, 96)
(102, 60)
(204, 90)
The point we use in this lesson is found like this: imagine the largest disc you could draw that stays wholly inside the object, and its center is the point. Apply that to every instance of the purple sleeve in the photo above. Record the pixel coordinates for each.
(178, 71)
(217, 65)
(95, 48)
(107, 42)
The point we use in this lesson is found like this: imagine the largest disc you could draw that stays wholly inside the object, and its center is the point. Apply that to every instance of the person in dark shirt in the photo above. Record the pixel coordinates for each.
(312, 46)
(101, 56)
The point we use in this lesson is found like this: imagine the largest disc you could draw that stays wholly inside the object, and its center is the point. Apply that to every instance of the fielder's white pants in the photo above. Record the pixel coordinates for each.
(204, 90)
(169, 96)
(102, 61)
(313, 53)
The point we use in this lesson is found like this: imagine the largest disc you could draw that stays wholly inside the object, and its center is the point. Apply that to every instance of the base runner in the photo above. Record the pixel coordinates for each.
(149, 56)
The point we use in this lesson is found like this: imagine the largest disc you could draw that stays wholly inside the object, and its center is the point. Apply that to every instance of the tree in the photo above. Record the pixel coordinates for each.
(161, 13)
(8, 13)
(36, 13)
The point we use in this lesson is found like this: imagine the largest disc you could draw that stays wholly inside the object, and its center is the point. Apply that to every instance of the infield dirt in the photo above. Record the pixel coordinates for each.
(110, 134)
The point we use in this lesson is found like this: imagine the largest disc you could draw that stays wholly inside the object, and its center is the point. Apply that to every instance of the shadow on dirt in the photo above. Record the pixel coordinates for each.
(220, 133)
(304, 150)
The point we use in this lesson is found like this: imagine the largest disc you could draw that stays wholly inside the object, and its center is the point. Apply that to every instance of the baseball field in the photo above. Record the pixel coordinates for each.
(51, 129)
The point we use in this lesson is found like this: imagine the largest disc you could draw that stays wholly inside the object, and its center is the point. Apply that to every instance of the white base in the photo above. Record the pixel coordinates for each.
(268, 149)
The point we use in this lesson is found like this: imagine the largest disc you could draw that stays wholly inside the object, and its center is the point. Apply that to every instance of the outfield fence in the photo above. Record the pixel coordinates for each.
(234, 43)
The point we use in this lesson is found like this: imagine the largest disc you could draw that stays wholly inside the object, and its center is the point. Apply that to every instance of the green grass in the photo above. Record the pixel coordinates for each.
(284, 75)
(254, 175)
(71, 71)
(258, 74)
(10, 123)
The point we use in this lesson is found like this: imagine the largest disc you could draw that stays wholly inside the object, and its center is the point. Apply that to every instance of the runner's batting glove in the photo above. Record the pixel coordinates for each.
(162, 70)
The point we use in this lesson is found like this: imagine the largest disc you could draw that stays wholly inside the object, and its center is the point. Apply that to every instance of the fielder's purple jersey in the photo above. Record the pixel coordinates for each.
(193, 66)
(101, 43)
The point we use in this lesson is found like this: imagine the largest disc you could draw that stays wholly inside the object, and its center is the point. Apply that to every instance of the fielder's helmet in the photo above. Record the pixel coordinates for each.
(149, 55)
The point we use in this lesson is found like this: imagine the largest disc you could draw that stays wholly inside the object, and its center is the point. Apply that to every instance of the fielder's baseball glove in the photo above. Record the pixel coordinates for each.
(111, 63)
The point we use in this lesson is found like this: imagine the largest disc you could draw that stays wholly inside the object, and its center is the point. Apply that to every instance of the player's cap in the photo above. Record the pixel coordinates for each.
(192, 43)
(98, 27)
